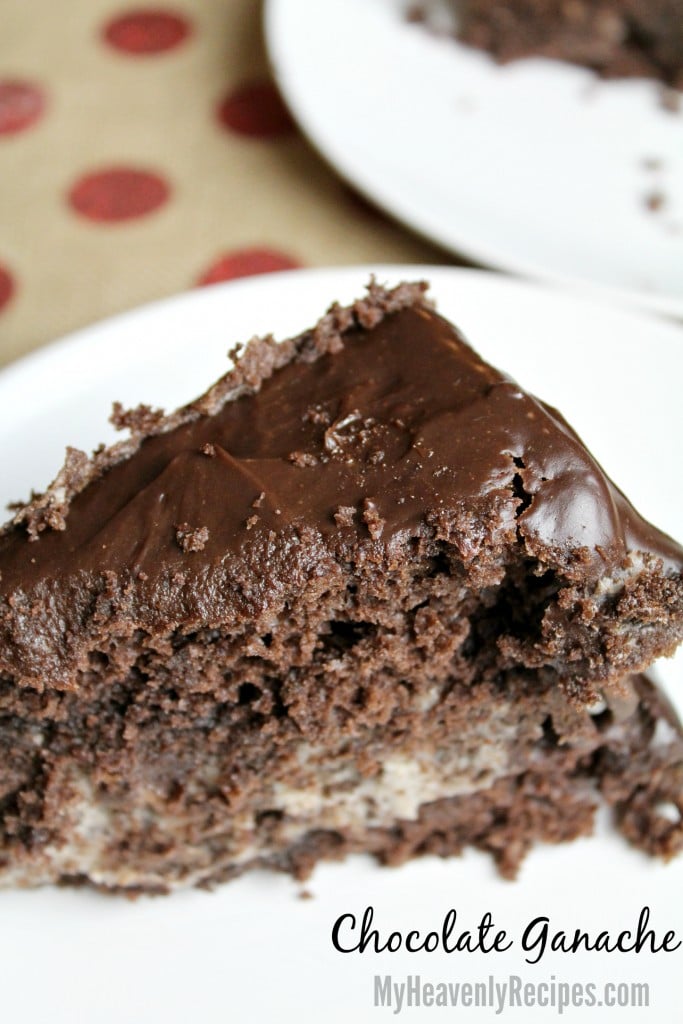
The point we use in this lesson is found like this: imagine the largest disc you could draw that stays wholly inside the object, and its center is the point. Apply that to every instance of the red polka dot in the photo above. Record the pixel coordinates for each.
(118, 193)
(146, 31)
(21, 104)
(6, 287)
(255, 109)
(247, 263)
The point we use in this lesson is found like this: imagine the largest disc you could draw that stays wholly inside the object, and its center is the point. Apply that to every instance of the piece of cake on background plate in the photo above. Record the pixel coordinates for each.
(616, 38)
(365, 594)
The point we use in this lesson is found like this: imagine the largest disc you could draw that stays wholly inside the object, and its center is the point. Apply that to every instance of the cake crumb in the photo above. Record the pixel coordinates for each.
(372, 519)
(305, 894)
(416, 14)
(302, 459)
(655, 200)
(318, 415)
(48, 511)
(257, 502)
(344, 515)
(251, 522)
(191, 538)
(143, 419)
(208, 449)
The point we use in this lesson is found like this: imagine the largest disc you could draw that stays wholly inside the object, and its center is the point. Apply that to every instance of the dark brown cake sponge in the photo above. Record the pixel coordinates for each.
(616, 38)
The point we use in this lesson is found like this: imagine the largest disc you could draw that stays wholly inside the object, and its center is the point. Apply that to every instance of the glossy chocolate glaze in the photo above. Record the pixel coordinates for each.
(406, 421)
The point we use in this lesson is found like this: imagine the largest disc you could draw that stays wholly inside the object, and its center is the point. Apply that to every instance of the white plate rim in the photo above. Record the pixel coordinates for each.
(432, 229)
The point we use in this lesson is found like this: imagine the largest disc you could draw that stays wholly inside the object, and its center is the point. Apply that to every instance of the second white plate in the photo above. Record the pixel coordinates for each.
(537, 167)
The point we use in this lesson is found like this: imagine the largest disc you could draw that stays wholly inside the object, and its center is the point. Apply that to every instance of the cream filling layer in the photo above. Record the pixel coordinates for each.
(333, 796)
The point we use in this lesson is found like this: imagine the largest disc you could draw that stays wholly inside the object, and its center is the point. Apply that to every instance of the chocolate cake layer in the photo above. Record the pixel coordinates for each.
(365, 581)
(194, 798)
(617, 38)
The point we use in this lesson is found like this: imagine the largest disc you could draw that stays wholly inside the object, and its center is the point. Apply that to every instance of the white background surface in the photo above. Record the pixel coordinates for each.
(253, 951)
(535, 167)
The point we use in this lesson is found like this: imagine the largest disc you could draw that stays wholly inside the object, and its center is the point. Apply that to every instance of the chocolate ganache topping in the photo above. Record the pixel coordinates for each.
(381, 424)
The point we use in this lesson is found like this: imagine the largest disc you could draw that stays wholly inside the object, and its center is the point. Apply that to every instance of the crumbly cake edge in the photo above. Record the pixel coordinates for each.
(254, 363)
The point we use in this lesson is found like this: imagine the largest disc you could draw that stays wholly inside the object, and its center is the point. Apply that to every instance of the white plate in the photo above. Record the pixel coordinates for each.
(252, 951)
(536, 167)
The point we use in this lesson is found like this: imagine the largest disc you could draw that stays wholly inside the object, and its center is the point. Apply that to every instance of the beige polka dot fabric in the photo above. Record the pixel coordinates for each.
(143, 151)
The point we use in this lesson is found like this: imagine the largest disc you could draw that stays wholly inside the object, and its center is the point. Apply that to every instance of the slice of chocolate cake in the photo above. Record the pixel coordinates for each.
(617, 38)
(364, 594)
